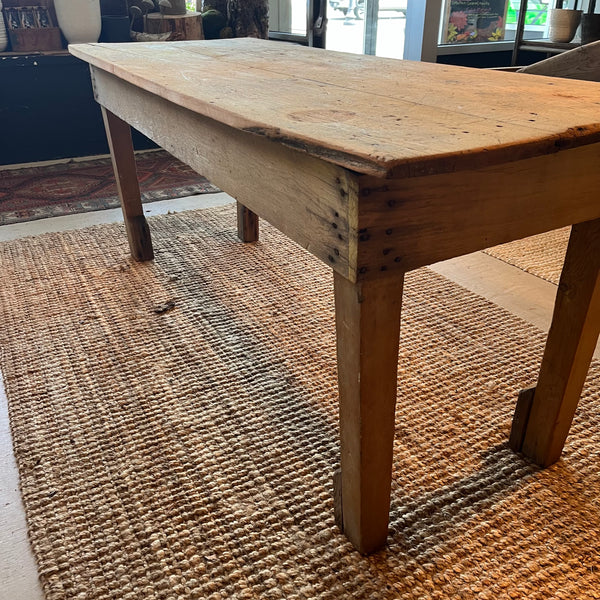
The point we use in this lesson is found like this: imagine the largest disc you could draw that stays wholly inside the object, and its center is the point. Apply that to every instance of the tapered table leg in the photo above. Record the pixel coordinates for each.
(247, 224)
(368, 330)
(118, 133)
(543, 416)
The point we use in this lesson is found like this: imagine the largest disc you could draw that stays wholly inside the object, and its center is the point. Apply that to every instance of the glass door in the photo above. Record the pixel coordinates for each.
(299, 21)
(367, 26)
(346, 26)
(391, 27)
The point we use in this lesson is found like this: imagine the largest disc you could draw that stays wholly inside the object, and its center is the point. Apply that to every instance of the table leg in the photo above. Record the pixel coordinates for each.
(247, 224)
(118, 133)
(368, 331)
(543, 416)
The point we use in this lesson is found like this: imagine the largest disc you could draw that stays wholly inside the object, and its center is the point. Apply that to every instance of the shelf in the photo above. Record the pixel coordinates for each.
(545, 45)
(536, 44)
(36, 53)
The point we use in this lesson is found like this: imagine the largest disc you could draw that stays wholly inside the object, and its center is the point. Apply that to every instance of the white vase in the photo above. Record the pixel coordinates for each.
(79, 20)
(3, 34)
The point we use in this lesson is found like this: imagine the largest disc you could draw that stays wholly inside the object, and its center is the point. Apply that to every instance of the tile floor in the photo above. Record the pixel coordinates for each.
(522, 294)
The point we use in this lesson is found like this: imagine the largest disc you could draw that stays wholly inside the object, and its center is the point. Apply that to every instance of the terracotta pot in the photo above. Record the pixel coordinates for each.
(563, 24)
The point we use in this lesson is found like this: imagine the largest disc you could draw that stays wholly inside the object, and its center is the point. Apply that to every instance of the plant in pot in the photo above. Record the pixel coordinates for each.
(590, 24)
(563, 21)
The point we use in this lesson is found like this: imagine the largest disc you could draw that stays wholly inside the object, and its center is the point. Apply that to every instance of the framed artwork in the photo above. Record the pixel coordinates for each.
(470, 21)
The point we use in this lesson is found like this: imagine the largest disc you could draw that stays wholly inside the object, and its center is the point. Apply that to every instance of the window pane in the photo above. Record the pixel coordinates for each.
(391, 26)
(288, 16)
(346, 25)
(535, 19)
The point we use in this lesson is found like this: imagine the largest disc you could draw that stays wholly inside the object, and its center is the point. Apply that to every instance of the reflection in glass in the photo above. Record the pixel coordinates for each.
(288, 16)
(367, 26)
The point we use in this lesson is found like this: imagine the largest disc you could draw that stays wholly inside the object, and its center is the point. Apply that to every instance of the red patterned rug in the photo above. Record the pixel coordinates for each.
(75, 187)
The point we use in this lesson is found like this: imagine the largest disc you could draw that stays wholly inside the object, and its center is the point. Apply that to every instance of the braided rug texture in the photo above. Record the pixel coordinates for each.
(541, 255)
(175, 428)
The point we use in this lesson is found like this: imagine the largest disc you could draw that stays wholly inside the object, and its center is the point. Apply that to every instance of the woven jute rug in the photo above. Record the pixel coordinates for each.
(541, 255)
(39, 192)
(175, 428)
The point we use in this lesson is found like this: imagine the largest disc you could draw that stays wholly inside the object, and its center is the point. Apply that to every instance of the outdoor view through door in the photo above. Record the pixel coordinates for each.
(358, 26)
(367, 26)
(380, 27)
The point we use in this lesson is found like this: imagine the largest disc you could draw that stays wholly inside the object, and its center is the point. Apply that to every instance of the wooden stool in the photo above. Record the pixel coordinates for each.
(182, 27)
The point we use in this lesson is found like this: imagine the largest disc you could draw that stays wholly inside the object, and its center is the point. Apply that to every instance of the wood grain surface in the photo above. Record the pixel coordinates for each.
(376, 116)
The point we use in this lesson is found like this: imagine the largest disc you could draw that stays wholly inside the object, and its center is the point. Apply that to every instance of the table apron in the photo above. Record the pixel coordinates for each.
(365, 226)
(410, 222)
(307, 199)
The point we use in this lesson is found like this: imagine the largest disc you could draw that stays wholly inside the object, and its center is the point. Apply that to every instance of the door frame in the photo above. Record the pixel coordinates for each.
(316, 24)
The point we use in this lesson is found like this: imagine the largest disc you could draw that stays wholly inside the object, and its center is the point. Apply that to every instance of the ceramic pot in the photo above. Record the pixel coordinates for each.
(590, 28)
(115, 29)
(79, 20)
(563, 24)
(113, 7)
(3, 34)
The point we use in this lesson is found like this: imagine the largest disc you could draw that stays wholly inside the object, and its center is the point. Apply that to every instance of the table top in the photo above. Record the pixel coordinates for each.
(372, 115)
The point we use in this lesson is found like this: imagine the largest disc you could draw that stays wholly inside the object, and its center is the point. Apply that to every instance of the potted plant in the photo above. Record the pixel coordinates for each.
(563, 21)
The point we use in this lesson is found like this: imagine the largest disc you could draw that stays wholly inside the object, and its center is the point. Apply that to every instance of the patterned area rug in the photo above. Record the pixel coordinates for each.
(175, 428)
(82, 186)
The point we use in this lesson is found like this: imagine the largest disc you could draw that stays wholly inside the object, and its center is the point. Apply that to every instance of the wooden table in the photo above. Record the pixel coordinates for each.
(377, 167)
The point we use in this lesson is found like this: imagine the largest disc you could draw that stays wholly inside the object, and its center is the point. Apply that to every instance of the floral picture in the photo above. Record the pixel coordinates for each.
(470, 21)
